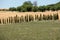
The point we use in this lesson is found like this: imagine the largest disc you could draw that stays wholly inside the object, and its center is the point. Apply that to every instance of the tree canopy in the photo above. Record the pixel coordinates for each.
(28, 6)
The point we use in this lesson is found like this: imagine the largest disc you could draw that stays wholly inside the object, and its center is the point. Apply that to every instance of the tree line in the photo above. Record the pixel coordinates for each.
(28, 6)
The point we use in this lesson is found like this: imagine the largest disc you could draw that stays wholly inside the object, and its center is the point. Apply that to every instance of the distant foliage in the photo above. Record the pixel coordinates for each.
(34, 8)
(41, 8)
(28, 6)
(12, 9)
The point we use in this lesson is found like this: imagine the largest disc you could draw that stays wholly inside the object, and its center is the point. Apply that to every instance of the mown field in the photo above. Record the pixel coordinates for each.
(42, 30)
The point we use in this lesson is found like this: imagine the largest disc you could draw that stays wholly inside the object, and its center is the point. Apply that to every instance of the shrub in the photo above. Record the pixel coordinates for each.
(12, 9)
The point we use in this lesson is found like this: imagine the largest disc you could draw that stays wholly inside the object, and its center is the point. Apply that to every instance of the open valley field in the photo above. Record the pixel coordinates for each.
(30, 20)
(42, 30)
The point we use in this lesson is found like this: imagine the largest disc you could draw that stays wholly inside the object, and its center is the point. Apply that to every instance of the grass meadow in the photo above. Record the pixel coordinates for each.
(40, 30)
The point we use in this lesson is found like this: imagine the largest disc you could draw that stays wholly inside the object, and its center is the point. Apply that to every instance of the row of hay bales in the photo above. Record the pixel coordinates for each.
(7, 17)
(27, 17)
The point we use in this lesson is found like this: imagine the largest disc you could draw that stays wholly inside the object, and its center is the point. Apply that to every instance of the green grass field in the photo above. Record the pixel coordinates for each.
(43, 30)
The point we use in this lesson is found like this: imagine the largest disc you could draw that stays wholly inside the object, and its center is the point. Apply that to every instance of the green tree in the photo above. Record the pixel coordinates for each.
(19, 8)
(53, 8)
(27, 6)
(12, 9)
(41, 8)
(47, 8)
(35, 9)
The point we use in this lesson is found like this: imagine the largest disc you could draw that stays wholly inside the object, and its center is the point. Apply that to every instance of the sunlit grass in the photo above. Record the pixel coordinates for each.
(43, 30)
